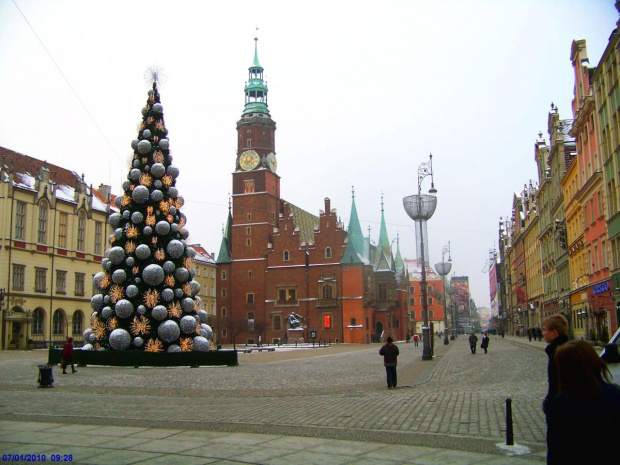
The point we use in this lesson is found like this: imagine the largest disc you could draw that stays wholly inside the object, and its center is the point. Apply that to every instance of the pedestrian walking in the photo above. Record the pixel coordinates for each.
(555, 332)
(530, 332)
(473, 340)
(390, 355)
(67, 357)
(583, 417)
(485, 342)
(416, 338)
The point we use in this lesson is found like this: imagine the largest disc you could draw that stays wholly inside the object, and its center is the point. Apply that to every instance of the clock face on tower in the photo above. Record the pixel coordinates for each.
(271, 162)
(249, 160)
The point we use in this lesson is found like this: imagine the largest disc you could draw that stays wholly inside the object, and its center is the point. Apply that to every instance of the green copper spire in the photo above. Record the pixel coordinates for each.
(255, 89)
(225, 255)
(399, 259)
(384, 259)
(354, 253)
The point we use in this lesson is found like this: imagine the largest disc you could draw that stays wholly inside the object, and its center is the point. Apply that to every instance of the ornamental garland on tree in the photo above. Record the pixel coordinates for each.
(147, 298)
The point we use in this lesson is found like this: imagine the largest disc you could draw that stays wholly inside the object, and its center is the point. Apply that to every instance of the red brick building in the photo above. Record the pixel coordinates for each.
(284, 273)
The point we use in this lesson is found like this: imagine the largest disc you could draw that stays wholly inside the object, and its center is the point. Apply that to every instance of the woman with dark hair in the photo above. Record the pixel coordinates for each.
(584, 417)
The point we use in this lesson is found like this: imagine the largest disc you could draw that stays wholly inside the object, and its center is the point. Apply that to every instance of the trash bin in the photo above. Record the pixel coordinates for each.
(46, 377)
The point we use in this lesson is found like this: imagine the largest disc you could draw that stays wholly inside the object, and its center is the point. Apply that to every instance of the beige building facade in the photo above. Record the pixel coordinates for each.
(53, 236)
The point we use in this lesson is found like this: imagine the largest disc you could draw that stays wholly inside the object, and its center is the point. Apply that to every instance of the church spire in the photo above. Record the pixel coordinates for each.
(384, 259)
(354, 252)
(255, 89)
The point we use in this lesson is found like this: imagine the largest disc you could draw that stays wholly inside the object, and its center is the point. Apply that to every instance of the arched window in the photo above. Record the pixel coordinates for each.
(223, 292)
(286, 256)
(81, 231)
(58, 322)
(328, 252)
(328, 291)
(78, 319)
(37, 321)
(223, 275)
(42, 226)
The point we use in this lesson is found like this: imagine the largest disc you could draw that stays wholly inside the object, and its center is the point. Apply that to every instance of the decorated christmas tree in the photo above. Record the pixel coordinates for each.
(148, 298)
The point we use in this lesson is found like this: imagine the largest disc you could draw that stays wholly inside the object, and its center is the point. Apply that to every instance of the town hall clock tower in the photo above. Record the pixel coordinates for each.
(242, 261)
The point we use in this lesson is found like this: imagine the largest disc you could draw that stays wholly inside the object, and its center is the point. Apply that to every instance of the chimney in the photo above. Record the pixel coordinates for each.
(327, 205)
(105, 192)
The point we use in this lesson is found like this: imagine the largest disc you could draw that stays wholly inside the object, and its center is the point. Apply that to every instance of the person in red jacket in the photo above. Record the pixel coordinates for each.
(390, 354)
(67, 356)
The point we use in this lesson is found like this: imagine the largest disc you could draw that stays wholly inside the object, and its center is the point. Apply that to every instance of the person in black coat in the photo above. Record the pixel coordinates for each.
(390, 355)
(583, 417)
(555, 332)
(485, 342)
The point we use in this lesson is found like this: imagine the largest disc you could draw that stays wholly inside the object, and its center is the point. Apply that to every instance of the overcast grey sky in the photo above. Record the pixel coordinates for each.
(361, 91)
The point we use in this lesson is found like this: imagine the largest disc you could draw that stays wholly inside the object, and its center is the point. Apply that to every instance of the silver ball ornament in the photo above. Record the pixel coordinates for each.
(153, 275)
(140, 194)
(126, 214)
(144, 147)
(203, 316)
(143, 251)
(96, 302)
(138, 342)
(201, 344)
(175, 248)
(87, 333)
(169, 266)
(159, 312)
(164, 144)
(173, 192)
(137, 217)
(132, 291)
(134, 144)
(191, 253)
(187, 305)
(98, 278)
(141, 310)
(181, 274)
(126, 185)
(107, 312)
(130, 261)
(119, 276)
(116, 255)
(135, 174)
(206, 331)
(162, 228)
(188, 324)
(158, 170)
(146, 133)
(119, 339)
(114, 219)
(168, 331)
(158, 108)
(147, 231)
(157, 184)
(174, 348)
(195, 285)
(123, 308)
(167, 295)
(87, 347)
(173, 171)
(157, 195)
(178, 292)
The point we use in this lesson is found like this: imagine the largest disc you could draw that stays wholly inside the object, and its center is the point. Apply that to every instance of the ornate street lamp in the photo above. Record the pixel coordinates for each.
(443, 269)
(420, 207)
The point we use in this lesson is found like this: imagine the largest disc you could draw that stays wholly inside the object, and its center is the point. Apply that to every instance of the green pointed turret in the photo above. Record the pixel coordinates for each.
(225, 254)
(354, 253)
(383, 259)
(255, 89)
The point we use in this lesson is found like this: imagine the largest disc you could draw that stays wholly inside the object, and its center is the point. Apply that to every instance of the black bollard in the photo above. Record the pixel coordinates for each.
(509, 433)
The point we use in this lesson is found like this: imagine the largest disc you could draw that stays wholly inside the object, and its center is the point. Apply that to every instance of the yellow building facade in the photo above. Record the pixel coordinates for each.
(53, 235)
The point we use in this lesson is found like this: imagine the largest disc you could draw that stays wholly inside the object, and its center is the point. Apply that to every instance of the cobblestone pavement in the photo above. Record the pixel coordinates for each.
(454, 402)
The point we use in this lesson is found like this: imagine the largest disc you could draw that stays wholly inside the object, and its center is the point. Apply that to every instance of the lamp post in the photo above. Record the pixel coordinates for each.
(420, 207)
(443, 269)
